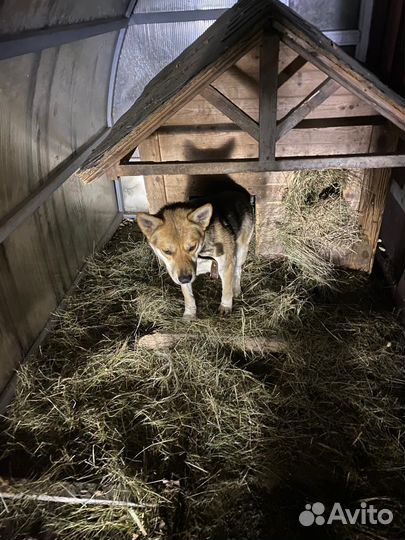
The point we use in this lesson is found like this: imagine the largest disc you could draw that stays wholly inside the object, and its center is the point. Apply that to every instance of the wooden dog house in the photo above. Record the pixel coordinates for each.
(259, 94)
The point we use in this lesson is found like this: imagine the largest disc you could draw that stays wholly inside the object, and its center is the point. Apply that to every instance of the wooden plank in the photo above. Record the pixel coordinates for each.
(213, 146)
(375, 189)
(232, 111)
(155, 183)
(308, 123)
(268, 95)
(341, 103)
(324, 142)
(354, 161)
(307, 105)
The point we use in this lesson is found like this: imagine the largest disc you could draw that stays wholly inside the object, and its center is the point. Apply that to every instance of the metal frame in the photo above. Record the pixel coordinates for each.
(119, 194)
(32, 41)
(365, 16)
(115, 62)
(164, 17)
(37, 40)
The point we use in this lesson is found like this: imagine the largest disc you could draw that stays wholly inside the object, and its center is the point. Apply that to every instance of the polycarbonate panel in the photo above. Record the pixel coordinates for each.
(51, 103)
(337, 15)
(17, 15)
(147, 50)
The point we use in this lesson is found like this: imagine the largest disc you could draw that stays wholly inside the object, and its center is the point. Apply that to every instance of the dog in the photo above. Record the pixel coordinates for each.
(188, 236)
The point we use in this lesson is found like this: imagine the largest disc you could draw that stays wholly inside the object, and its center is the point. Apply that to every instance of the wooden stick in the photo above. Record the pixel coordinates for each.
(159, 340)
(71, 500)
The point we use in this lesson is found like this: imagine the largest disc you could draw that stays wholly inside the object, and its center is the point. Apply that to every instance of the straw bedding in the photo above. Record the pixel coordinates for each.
(208, 439)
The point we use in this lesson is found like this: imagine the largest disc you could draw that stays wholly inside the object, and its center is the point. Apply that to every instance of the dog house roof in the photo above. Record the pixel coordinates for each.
(247, 24)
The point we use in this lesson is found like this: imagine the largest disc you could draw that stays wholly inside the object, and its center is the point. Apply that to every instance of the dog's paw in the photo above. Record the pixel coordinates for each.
(224, 310)
(189, 317)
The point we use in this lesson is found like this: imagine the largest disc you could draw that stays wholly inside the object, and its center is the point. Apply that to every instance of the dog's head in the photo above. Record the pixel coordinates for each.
(177, 236)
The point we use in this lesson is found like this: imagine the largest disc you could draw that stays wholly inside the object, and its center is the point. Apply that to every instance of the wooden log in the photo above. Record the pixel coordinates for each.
(354, 161)
(160, 340)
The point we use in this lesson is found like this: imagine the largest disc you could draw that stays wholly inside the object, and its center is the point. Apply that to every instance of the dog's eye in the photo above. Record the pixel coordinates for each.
(167, 252)
(192, 248)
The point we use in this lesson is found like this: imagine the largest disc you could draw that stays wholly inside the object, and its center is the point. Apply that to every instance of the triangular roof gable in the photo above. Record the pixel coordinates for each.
(223, 44)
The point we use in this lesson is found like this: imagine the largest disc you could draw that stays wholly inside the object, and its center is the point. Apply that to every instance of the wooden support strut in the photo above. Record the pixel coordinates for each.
(232, 111)
(268, 95)
(307, 105)
(237, 115)
(350, 161)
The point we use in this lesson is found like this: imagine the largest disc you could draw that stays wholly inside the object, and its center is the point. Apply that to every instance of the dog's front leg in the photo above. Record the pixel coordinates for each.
(226, 270)
(190, 308)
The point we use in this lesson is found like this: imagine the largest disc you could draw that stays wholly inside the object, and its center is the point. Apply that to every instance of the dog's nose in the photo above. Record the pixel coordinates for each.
(185, 278)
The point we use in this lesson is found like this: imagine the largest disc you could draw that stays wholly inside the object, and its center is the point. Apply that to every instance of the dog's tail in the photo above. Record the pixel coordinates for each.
(209, 185)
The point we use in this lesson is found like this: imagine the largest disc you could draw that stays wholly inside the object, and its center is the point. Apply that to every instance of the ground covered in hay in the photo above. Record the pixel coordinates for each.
(209, 439)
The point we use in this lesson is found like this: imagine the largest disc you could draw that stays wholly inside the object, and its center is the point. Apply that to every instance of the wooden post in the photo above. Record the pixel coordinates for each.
(268, 95)
(149, 150)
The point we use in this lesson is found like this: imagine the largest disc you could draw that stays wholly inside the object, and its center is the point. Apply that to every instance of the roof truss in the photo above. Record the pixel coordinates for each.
(247, 24)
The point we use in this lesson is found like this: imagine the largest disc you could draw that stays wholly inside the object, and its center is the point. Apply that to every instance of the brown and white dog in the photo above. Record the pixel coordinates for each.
(188, 236)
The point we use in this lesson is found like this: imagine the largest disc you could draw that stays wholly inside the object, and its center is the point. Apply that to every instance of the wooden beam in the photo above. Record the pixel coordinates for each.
(384, 100)
(232, 111)
(306, 106)
(155, 188)
(290, 70)
(269, 53)
(351, 161)
(51, 183)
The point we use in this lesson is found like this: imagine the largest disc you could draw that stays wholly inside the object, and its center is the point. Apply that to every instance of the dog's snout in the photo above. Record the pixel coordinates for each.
(185, 278)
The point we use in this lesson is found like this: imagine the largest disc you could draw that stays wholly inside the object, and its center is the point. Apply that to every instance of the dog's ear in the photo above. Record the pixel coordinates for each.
(147, 223)
(201, 215)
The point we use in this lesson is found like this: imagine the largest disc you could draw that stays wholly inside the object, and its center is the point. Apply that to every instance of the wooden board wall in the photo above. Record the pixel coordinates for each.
(200, 131)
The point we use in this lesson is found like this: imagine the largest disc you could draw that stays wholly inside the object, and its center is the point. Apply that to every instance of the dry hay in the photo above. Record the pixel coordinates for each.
(210, 440)
(317, 224)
